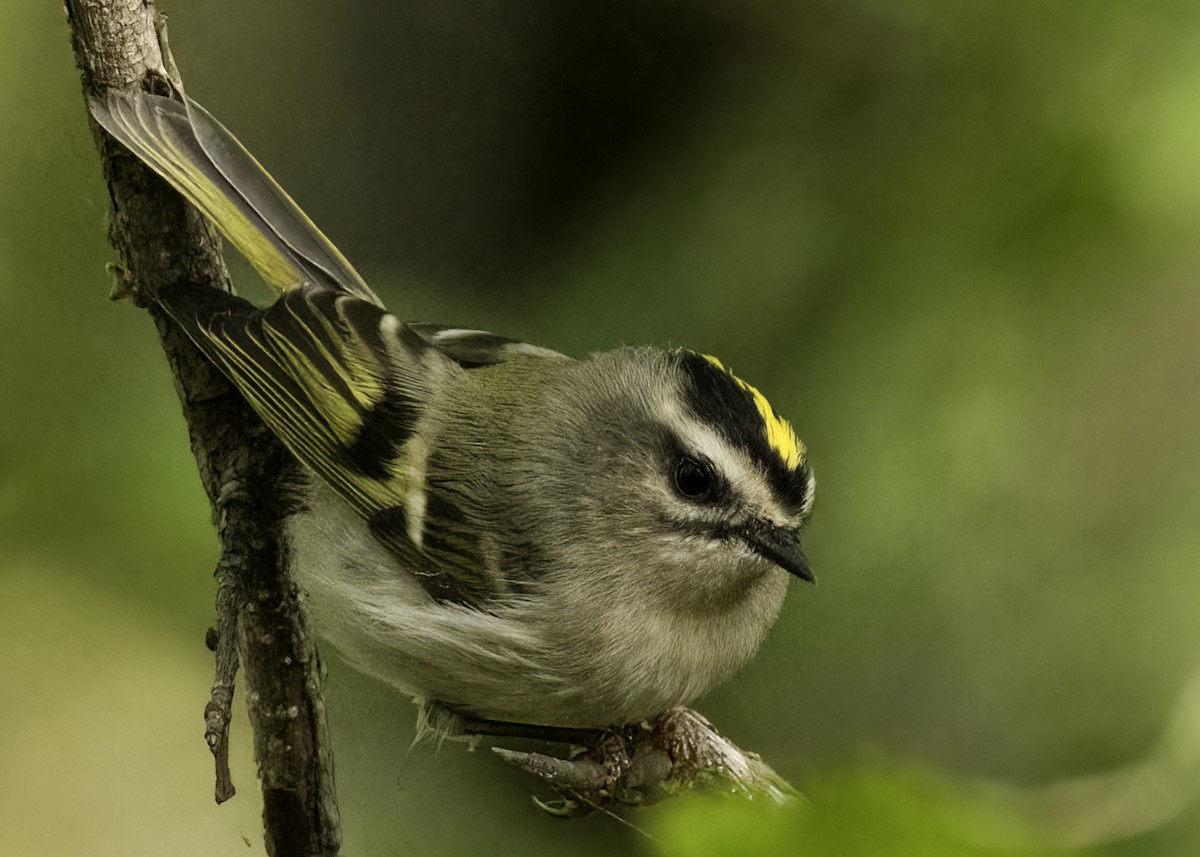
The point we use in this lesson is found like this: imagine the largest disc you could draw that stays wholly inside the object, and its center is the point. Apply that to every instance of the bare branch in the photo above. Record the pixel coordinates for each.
(159, 240)
(1132, 800)
(677, 751)
(218, 711)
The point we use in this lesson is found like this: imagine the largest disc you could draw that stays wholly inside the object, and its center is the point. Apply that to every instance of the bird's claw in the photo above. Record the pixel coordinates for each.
(562, 808)
(638, 765)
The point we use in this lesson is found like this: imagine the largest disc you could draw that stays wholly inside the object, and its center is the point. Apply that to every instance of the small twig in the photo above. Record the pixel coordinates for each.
(1128, 801)
(218, 711)
(675, 752)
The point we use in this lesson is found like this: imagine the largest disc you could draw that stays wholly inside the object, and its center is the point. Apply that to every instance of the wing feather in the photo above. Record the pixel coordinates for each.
(474, 348)
(344, 384)
(201, 159)
(341, 382)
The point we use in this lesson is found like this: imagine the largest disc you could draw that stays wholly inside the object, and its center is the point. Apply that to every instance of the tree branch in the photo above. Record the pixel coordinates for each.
(159, 239)
(675, 752)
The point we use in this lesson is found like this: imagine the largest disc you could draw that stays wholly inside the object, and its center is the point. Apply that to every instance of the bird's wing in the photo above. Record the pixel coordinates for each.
(342, 382)
(200, 158)
(345, 385)
(474, 348)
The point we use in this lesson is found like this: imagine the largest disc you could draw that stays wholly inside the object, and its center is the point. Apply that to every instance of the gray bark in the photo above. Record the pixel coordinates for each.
(159, 239)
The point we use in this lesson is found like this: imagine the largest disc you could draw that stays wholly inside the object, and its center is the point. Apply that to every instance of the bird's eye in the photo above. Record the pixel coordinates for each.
(695, 479)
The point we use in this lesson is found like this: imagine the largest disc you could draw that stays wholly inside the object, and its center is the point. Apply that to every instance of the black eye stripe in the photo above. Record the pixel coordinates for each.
(715, 398)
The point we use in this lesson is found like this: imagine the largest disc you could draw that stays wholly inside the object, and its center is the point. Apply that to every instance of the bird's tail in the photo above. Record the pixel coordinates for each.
(200, 158)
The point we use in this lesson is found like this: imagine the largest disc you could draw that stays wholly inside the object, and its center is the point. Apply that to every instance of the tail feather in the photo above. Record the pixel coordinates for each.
(201, 159)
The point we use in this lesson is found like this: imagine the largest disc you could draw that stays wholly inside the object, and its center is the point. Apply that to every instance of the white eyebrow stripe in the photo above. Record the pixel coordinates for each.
(810, 495)
(734, 464)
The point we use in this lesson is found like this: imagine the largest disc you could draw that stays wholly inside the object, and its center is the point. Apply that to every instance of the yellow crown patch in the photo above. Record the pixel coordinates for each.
(781, 437)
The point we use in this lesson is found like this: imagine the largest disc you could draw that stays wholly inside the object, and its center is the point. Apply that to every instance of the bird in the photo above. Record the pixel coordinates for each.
(484, 524)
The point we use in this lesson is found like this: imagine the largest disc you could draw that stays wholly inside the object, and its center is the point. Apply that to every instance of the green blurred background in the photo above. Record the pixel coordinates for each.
(957, 243)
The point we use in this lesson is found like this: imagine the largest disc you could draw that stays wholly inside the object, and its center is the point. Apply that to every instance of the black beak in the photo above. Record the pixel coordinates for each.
(780, 546)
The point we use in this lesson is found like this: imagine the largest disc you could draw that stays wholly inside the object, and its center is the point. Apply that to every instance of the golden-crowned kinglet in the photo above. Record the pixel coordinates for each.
(487, 524)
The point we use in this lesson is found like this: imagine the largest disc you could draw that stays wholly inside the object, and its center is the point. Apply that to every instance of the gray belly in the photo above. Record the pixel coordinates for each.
(524, 661)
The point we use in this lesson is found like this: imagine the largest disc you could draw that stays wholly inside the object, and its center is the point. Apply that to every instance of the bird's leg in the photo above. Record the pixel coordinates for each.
(552, 734)
(643, 763)
(455, 722)
(624, 766)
